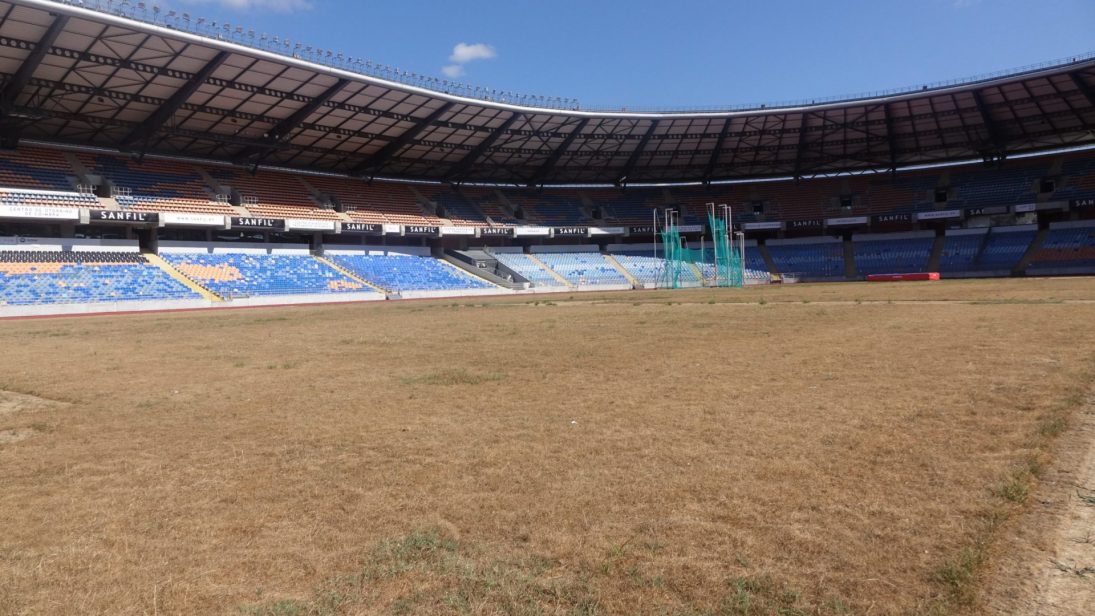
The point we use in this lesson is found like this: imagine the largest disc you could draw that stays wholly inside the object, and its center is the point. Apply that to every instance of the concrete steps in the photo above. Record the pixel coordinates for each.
(467, 269)
(850, 271)
(109, 203)
(623, 271)
(769, 262)
(159, 262)
(352, 276)
(554, 274)
(937, 253)
(457, 262)
(1035, 246)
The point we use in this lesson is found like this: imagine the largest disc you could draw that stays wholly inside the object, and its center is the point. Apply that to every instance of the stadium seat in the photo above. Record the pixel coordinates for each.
(65, 277)
(880, 256)
(526, 267)
(409, 273)
(1072, 248)
(245, 275)
(583, 268)
(819, 261)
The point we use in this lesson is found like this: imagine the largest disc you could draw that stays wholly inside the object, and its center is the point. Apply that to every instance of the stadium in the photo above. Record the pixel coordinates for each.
(397, 345)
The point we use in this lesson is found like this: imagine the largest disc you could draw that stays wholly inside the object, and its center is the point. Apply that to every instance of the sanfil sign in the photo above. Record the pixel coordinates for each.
(123, 216)
(812, 223)
(567, 231)
(420, 230)
(240, 222)
(495, 231)
(362, 228)
(888, 219)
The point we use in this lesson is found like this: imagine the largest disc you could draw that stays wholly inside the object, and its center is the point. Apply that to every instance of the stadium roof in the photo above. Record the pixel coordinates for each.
(87, 77)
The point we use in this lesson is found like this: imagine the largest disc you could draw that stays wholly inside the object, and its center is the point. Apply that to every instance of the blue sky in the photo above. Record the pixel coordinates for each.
(680, 53)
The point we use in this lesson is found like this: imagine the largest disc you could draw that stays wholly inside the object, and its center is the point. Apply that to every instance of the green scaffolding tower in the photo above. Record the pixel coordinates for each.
(679, 263)
(674, 259)
(728, 257)
(722, 266)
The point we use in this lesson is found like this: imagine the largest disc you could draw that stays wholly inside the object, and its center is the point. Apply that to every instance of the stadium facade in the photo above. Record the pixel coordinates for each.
(156, 162)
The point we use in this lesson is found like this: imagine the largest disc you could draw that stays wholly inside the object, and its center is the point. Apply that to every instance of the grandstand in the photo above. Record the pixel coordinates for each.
(582, 266)
(155, 185)
(896, 253)
(996, 199)
(1067, 247)
(231, 275)
(401, 271)
(811, 259)
(29, 278)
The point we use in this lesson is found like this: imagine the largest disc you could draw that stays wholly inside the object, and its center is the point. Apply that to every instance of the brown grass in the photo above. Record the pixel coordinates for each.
(606, 454)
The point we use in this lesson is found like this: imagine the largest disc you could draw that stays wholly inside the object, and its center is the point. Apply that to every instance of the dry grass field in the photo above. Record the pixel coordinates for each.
(814, 449)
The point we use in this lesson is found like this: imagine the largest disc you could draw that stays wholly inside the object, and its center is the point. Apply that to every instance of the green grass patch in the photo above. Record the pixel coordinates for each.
(458, 376)
(1016, 487)
(439, 574)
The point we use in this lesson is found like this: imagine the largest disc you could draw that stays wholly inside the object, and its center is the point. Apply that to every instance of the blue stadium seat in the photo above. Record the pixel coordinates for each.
(824, 260)
(526, 267)
(583, 267)
(63, 277)
(409, 273)
(879, 256)
(1072, 248)
(245, 275)
(960, 252)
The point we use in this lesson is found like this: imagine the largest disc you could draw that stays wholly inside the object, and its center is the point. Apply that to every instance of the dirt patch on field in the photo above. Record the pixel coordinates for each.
(15, 435)
(1046, 560)
(12, 402)
(15, 408)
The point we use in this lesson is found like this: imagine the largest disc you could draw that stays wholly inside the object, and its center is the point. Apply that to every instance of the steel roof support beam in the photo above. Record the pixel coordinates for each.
(164, 112)
(891, 138)
(993, 130)
(462, 166)
(548, 165)
(714, 160)
(634, 158)
(1081, 85)
(384, 154)
(282, 130)
(801, 147)
(34, 59)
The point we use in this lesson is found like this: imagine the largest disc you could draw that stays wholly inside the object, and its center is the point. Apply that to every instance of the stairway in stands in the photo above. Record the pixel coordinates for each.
(158, 261)
(849, 261)
(1035, 246)
(554, 274)
(352, 276)
(623, 271)
(448, 257)
(937, 253)
(768, 261)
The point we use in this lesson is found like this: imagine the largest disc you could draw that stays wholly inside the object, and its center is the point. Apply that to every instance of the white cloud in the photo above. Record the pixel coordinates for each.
(463, 53)
(278, 6)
